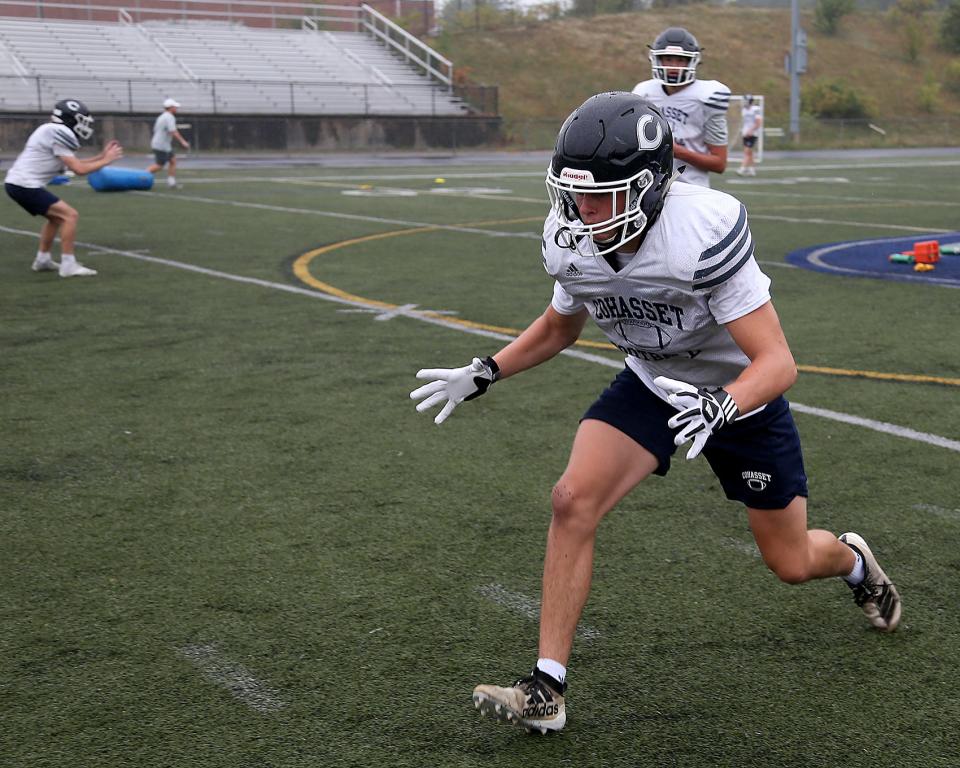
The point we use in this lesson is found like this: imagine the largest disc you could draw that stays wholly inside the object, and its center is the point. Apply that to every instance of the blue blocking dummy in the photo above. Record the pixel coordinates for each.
(119, 179)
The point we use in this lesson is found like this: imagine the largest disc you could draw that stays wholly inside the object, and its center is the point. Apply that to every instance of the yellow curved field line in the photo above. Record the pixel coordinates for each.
(301, 268)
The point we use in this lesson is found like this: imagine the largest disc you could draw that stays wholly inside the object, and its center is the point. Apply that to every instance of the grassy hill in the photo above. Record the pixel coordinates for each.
(545, 69)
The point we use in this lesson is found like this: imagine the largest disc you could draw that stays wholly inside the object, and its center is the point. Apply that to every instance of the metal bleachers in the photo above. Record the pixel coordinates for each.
(211, 67)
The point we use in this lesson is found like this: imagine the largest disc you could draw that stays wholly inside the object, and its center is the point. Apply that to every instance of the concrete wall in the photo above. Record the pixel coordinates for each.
(281, 134)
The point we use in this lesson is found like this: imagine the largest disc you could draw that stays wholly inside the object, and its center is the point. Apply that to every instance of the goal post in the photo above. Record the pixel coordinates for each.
(735, 123)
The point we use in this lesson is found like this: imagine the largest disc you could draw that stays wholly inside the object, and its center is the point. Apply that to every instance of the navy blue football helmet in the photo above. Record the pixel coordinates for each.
(675, 41)
(75, 115)
(614, 142)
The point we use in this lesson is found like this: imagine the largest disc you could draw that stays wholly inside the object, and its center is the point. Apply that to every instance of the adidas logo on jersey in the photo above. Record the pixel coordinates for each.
(572, 271)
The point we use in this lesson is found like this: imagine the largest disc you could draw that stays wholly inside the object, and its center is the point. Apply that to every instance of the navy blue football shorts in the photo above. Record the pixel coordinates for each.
(36, 202)
(161, 157)
(758, 460)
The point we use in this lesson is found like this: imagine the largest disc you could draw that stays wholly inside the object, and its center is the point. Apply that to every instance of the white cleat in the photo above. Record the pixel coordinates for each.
(44, 265)
(76, 270)
(535, 703)
(876, 594)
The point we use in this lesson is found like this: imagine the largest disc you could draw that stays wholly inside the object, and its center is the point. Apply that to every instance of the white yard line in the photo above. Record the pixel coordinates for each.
(801, 166)
(498, 233)
(877, 426)
(527, 606)
(946, 514)
(748, 548)
(341, 215)
(845, 223)
(232, 676)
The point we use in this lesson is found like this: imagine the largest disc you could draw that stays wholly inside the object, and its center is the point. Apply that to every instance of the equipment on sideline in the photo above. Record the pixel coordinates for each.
(924, 255)
(702, 412)
(119, 179)
(454, 385)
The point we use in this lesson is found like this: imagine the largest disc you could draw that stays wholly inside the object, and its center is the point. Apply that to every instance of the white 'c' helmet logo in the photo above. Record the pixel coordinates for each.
(642, 140)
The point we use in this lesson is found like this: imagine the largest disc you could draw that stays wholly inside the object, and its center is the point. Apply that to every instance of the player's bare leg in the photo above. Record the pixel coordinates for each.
(796, 554)
(65, 218)
(604, 466)
(48, 234)
(44, 260)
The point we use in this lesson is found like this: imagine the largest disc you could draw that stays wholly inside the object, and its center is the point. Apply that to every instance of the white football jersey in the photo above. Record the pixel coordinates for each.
(163, 128)
(749, 118)
(40, 160)
(666, 308)
(697, 114)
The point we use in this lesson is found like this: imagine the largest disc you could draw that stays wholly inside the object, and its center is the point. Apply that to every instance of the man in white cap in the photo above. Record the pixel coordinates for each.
(164, 132)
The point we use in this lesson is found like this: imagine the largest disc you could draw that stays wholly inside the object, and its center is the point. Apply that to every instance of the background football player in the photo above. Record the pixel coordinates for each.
(751, 123)
(624, 244)
(696, 109)
(49, 150)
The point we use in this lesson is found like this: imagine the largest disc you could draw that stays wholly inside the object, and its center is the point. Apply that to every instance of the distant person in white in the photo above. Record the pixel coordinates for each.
(750, 122)
(695, 109)
(164, 132)
(48, 152)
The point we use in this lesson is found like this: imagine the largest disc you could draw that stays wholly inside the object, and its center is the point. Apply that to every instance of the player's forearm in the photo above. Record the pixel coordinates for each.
(88, 165)
(544, 338)
(702, 160)
(767, 377)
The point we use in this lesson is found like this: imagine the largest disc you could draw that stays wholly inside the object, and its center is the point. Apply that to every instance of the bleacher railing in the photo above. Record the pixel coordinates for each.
(279, 15)
(409, 47)
(306, 16)
(137, 95)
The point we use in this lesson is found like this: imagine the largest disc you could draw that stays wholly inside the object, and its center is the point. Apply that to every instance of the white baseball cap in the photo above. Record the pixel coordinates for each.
(170, 103)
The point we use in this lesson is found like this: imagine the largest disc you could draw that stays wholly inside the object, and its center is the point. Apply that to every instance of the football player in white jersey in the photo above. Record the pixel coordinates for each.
(751, 122)
(667, 272)
(49, 150)
(696, 109)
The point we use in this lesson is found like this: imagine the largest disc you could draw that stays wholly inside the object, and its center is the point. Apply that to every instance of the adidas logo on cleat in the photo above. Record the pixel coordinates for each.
(542, 710)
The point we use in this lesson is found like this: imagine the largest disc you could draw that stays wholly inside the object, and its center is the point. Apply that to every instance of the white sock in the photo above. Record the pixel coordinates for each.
(858, 573)
(44, 256)
(555, 669)
(68, 258)
(171, 181)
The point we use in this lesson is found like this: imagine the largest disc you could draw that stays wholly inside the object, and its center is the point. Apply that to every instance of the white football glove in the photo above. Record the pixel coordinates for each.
(454, 385)
(702, 412)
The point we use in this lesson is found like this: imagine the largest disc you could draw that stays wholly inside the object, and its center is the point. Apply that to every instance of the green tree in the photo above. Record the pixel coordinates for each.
(928, 95)
(951, 77)
(829, 13)
(830, 98)
(950, 27)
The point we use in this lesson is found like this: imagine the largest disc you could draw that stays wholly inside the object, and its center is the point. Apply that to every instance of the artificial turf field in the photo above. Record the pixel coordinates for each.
(227, 539)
